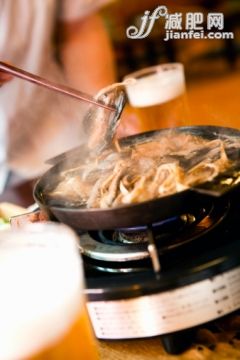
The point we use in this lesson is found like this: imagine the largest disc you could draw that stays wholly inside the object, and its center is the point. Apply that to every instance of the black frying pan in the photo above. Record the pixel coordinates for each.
(147, 212)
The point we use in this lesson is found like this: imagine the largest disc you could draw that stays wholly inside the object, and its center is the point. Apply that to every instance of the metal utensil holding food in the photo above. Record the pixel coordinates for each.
(71, 118)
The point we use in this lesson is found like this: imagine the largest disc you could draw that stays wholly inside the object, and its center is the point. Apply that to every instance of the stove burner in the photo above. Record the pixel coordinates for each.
(139, 234)
(129, 237)
(105, 251)
(154, 225)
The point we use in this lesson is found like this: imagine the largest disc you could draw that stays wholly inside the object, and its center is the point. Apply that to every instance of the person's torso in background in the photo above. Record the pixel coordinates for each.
(26, 28)
(36, 123)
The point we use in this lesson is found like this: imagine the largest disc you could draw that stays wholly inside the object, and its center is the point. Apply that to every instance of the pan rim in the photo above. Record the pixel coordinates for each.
(213, 129)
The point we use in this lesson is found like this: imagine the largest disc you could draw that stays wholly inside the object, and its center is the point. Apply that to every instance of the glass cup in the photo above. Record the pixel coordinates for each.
(158, 96)
(42, 304)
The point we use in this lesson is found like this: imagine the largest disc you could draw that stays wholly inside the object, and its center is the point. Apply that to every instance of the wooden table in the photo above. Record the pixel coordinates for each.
(151, 349)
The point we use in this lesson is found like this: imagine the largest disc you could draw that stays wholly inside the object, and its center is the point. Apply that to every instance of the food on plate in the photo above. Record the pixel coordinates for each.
(7, 210)
(20, 221)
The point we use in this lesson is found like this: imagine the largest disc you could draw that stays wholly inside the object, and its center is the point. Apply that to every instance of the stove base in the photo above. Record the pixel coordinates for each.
(178, 342)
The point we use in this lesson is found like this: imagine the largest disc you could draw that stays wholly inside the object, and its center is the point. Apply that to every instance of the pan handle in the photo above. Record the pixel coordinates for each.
(222, 184)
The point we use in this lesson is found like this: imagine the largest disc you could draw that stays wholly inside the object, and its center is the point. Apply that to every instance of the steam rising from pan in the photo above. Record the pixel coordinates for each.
(160, 165)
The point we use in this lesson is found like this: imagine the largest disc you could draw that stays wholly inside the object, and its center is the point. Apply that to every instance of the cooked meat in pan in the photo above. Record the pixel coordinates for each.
(147, 170)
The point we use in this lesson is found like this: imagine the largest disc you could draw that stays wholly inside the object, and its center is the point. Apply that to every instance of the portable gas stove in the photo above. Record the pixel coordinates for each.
(163, 266)
(194, 280)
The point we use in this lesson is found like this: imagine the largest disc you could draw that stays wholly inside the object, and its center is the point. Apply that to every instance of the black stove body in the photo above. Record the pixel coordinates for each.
(194, 280)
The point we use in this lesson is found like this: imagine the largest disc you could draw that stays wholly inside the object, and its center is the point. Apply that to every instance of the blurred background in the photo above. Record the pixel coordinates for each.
(211, 66)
